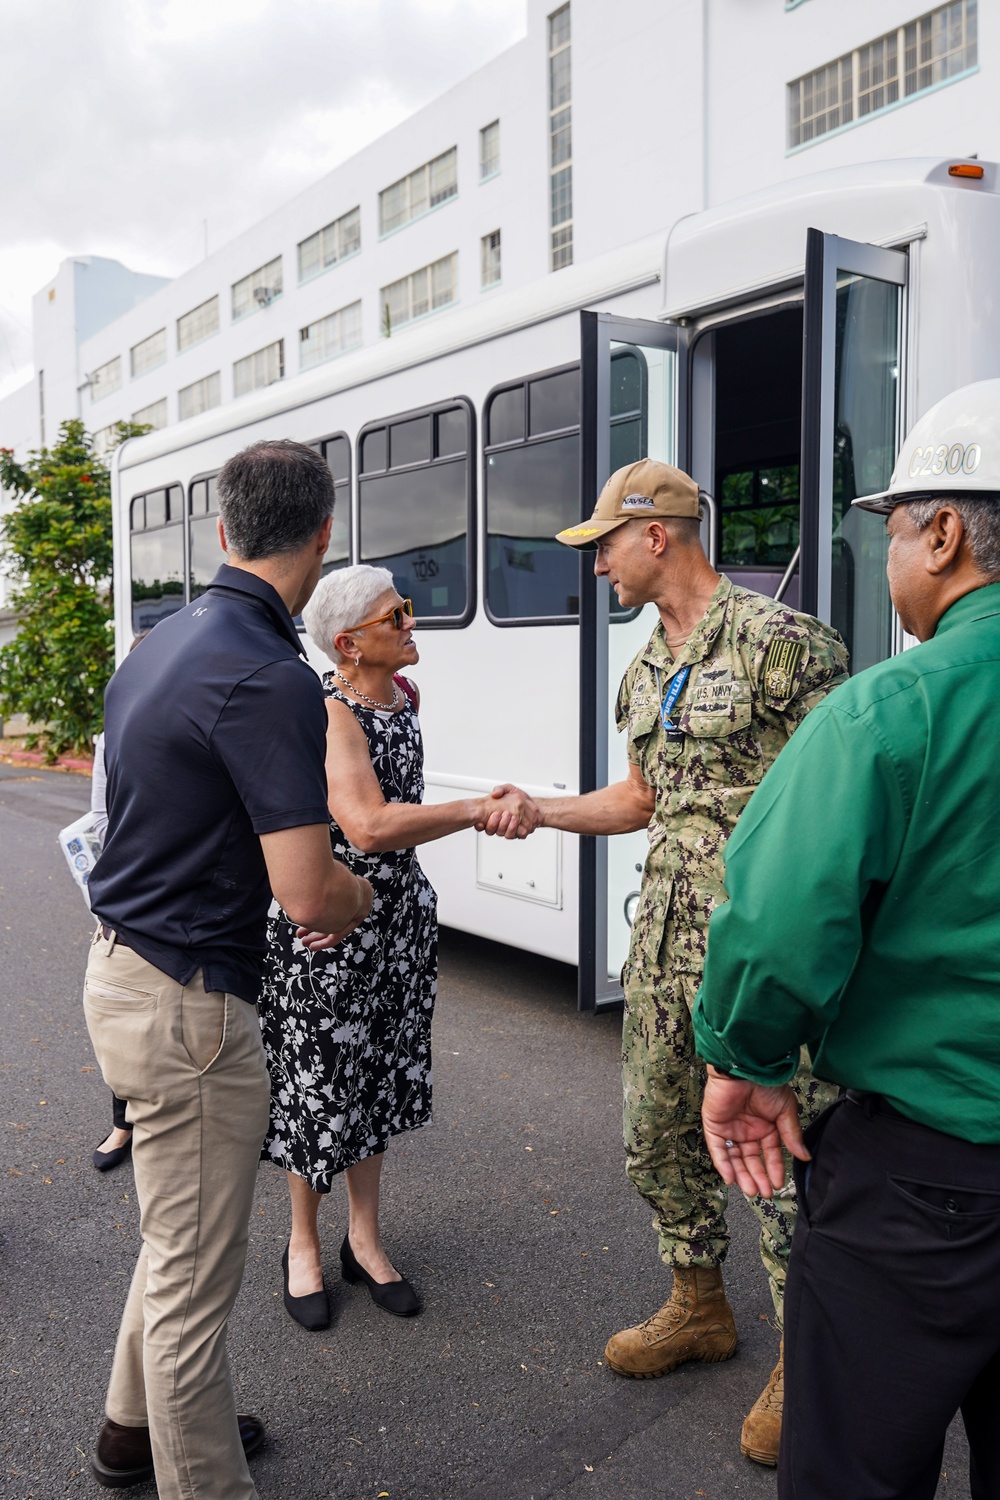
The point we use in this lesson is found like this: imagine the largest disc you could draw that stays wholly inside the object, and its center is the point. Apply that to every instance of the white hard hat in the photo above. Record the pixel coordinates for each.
(953, 450)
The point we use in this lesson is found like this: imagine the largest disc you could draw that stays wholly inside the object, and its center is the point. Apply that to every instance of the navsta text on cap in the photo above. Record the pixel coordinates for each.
(646, 489)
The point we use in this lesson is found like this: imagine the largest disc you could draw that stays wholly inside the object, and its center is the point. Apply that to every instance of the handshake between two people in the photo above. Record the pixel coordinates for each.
(508, 813)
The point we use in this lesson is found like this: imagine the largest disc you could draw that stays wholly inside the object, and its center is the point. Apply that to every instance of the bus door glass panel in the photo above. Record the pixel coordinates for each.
(415, 495)
(337, 452)
(156, 525)
(850, 434)
(630, 411)
(205, 554)
(532, 479)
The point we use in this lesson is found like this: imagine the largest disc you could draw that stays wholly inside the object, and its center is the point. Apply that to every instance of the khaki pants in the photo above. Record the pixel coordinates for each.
(191, 1066)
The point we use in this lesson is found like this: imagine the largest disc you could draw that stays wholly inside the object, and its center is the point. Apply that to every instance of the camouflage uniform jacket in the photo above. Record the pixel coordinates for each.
(756, 669)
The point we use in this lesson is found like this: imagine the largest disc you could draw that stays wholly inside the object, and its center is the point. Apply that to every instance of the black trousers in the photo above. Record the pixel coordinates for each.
(118, 1108)
(892, 1310)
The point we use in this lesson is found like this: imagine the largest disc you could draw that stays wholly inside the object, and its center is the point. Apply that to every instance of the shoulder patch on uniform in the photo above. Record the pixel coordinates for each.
(780, 664)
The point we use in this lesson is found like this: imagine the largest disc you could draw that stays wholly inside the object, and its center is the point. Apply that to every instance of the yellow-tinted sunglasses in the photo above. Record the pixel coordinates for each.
(398, 616)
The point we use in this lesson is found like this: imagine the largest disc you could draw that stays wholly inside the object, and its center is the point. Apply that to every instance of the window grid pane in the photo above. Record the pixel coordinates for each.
(423, 291)
(330, 336)
(257, 289)
(433, 183)
(154, 415)
(261, 368)
(936, 47)
(560, 140)
(200, 396)
(491, 258)
(489, 150)
(149, 353)
(106, 379)
(200, 323)
(335, 242)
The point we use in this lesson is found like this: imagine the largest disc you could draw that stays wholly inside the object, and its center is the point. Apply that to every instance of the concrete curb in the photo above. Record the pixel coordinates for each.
(36, 758)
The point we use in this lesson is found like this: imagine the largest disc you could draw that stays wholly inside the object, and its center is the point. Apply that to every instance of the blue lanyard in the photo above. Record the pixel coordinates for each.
(673, 693)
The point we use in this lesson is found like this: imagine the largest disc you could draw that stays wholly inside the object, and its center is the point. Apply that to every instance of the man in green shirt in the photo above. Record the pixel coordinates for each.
(864, 921)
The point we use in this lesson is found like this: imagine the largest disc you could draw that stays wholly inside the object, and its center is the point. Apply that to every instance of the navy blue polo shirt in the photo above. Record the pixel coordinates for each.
(214, 733)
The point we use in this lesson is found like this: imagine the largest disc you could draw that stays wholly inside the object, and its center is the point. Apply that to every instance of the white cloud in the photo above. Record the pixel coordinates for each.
(128, 123)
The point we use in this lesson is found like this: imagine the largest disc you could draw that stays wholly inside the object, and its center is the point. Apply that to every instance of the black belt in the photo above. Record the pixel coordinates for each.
(875, 1104)
(107, 933)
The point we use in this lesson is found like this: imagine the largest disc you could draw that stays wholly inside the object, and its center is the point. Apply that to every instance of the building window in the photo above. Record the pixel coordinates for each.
(422, 292)
(257, 290)
(430, 185)
(329, 245)
(200, 396)
(154, 415)
(491, 258)
(330, 336)
(560, 141)
(106, 438)
(489, 151)
(200, 323)
(416, 494)
(905, 62)
(259, 369)
(156, 524)
(106, 379)
(149, 354)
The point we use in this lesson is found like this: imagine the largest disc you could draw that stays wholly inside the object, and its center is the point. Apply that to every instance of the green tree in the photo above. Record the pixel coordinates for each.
(56, 548)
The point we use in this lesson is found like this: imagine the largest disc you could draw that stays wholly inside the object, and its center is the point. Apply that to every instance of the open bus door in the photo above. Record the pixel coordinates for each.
(633, 405)
(645, 394)
(852, 428)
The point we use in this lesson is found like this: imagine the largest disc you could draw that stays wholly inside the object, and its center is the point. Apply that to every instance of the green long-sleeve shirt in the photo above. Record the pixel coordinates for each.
(864, 890)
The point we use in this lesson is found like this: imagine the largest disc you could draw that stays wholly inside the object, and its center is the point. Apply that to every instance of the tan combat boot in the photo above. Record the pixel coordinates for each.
(761, 1433)
(697, 1323)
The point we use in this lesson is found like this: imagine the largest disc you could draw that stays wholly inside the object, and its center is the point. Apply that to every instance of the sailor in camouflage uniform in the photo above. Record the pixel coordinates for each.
(707, 705)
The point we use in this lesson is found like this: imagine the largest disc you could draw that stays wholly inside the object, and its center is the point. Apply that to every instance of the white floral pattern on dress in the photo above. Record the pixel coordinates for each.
(347, 1031)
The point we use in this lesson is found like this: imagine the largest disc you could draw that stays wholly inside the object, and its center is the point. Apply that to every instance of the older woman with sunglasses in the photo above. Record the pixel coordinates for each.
(347, 1029)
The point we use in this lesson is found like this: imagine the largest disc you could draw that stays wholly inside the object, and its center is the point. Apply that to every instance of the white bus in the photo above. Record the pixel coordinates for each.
(778, 348)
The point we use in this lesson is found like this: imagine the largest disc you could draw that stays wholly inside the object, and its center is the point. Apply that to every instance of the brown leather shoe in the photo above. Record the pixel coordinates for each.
(696, 1323)
(761, 1433)
(124, 1455)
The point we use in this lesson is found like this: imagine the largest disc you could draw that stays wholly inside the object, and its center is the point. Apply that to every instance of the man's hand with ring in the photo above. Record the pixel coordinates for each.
(745, 1126)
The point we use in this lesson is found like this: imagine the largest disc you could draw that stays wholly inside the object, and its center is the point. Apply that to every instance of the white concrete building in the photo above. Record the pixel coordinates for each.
(603, 125)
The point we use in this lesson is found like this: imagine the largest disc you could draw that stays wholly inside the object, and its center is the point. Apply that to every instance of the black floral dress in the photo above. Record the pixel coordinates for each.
(347, 1031)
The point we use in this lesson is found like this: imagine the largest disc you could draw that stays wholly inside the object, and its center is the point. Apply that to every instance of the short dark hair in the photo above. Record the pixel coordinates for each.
(273, 498)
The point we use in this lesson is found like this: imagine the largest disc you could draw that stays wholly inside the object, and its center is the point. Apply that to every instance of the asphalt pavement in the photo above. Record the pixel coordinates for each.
(511, 1214)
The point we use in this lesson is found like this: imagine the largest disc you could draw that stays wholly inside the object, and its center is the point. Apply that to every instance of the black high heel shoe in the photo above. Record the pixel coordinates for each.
(392, 1296)
(311, 1311)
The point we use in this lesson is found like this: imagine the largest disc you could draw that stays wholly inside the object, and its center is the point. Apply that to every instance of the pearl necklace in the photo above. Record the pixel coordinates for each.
(397, 696)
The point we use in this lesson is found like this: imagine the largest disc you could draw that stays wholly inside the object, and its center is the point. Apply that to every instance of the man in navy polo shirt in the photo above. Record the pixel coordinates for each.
(214, 743)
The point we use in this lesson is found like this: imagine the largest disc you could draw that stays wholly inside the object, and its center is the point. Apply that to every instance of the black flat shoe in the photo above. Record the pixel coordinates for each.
(311, 1311)
(106, 1161)
(124, 1456)
(392, 1296)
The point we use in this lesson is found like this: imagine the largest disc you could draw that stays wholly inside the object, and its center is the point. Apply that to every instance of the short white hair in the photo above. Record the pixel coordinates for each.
(341, 601)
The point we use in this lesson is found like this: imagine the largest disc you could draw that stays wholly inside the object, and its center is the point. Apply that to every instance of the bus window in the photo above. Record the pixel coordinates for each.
(533, 485)
(205, 555)
(415, 501)
(157, 555)
(337, 452)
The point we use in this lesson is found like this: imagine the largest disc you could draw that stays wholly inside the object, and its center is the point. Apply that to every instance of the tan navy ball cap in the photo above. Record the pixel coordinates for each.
(646, 489)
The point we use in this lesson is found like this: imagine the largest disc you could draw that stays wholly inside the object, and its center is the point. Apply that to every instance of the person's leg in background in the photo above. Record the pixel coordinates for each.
(191, 1065)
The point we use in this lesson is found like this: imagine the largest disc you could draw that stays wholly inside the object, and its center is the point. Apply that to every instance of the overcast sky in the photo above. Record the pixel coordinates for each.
(127, 123)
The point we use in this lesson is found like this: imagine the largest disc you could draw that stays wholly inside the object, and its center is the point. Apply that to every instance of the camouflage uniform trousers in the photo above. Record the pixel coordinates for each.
(667, 1159)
